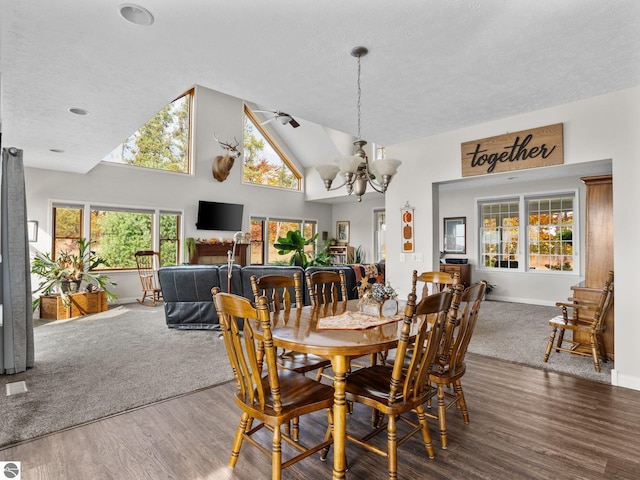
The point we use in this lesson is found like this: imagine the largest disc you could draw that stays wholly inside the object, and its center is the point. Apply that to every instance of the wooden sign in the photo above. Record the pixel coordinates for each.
(539, 147)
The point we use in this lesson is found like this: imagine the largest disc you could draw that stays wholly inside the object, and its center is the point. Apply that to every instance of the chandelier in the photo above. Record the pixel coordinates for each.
(356, 169)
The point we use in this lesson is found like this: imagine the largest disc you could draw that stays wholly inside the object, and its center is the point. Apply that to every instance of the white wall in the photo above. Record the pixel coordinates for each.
(533, 286)
(360, 217)
(598, 128)
(110, 184)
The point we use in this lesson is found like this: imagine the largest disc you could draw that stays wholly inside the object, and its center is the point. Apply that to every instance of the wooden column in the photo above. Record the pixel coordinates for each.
(598, 247)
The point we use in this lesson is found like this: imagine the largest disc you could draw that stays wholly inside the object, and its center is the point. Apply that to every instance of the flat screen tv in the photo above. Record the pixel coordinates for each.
(219, 216)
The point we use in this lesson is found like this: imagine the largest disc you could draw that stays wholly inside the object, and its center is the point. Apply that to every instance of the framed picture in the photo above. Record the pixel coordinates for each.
(342, 231)
(455, 235)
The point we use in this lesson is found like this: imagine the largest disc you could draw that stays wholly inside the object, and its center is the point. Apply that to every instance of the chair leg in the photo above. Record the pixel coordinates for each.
(550, 344)
(295, 429)
(237, 441)
(560, 339)
(461, 403)
(595, 351)
(392, 448)
(426, 435)
(327, 435)
(442, 414)
(276, 454)
(603, 350)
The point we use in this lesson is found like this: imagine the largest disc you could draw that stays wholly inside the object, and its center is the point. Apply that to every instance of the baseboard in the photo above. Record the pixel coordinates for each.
(530, 301)
(626, 381)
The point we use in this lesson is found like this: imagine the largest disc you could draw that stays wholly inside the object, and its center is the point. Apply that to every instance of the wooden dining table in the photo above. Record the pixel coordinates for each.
(297, 330)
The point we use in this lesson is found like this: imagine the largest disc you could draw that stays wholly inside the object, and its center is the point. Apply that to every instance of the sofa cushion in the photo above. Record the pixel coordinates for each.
(186, 290)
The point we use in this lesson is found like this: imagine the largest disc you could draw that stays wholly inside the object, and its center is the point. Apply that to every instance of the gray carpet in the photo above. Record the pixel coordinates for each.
(519, 333)
(90, 367)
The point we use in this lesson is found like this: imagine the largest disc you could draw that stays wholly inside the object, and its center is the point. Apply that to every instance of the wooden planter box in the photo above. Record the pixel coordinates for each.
(53, 308)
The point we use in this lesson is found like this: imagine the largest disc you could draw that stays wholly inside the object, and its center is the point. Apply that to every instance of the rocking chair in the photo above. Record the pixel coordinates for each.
(148, 261)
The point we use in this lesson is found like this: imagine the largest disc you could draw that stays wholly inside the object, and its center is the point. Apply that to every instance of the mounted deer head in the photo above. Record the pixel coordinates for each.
(222, 163)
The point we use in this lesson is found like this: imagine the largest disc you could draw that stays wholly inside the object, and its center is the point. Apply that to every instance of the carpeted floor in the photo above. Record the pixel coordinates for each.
(90, 367)
(519, 332)
(94, 366)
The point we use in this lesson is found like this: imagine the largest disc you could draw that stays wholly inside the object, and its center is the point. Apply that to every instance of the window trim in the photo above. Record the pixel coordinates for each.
(523, 231)
(249, 113)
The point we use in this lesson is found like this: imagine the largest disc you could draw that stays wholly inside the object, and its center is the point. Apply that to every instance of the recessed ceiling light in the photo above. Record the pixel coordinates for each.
(79, 111)
(135, 14)
(56, 150)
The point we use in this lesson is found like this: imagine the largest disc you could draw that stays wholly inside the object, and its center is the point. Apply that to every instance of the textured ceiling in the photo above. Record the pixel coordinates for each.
(433, 66)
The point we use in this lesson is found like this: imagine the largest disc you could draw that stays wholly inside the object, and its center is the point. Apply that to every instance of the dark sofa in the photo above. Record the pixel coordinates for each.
(186, 289)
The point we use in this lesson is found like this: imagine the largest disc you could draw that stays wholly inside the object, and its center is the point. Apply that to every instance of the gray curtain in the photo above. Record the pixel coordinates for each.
(16, 347)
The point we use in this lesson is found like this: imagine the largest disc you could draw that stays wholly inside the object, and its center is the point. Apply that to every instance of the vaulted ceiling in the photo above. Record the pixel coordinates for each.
(432, 66)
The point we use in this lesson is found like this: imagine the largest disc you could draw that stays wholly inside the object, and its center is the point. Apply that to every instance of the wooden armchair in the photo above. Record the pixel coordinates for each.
(148, 263)
(265, 393)
(394, 391)
(585, 319)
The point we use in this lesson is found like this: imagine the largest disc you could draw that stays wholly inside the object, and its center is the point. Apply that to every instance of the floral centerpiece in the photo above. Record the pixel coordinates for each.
(377, 298)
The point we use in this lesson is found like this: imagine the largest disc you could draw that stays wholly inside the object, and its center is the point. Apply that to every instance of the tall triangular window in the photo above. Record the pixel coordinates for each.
(163, 143)
(264, 162)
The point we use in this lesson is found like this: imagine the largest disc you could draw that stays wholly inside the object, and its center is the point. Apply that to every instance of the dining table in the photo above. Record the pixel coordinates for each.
(302, 330)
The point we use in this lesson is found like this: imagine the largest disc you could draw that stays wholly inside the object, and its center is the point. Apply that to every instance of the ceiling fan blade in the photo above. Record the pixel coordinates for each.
(267, 121)
(293, 123)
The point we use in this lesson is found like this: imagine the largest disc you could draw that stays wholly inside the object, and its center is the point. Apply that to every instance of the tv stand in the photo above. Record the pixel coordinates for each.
(216, 253)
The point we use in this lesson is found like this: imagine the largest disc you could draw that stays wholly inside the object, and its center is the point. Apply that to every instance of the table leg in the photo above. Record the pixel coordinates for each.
(339, 365)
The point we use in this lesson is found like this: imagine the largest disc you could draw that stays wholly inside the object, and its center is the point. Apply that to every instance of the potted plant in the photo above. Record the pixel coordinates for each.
(295, 242)
(65, 274)
(190, 245)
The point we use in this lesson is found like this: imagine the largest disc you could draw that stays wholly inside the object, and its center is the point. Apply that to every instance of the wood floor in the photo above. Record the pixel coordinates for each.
(525, 424)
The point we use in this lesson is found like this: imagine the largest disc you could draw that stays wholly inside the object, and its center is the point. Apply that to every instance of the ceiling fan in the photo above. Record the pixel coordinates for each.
(281, 117)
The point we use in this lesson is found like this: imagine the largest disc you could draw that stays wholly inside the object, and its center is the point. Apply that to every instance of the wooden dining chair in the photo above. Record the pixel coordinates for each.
(394, 391)
(586, 320)
(325, 286)
(437, 280)
(277, 289)
(265, 394)
(148, 263)
(449, 367)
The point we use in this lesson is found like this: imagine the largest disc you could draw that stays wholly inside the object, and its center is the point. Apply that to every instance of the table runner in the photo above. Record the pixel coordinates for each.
(354, 321)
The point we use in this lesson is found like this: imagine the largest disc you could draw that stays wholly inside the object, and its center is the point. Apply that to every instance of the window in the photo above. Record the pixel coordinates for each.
(257, 241)
(277, 228)
(546, 235)
(163, 143)
(169, 238)
(264, 163)
(379, 235)
(67, 228)
(551, 233)
(118, 232)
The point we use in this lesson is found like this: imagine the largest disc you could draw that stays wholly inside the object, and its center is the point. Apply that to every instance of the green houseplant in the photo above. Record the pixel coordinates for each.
(295, 242)
(66, 273)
